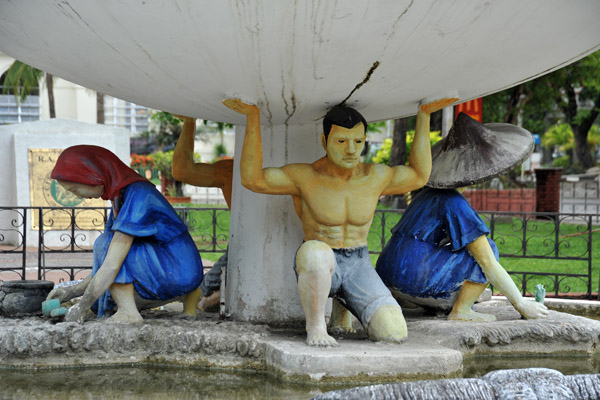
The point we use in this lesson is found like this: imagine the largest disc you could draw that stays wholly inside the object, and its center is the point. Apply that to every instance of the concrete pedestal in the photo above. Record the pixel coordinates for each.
(266, 232)
(435, 348)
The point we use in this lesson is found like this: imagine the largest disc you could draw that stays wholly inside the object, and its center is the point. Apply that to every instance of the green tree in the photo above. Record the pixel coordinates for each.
(22, 79)
(384, 154)
(166, 132)
(578, 97)
(570, 94)
(561, 136)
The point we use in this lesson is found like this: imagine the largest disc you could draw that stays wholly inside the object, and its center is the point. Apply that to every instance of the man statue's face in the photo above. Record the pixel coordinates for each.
(344, 146)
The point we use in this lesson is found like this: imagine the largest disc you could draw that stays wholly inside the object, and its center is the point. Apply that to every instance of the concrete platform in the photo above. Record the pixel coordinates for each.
(436, 348)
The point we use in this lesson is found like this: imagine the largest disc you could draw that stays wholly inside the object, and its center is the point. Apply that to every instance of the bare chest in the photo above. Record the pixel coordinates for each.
(341, 203)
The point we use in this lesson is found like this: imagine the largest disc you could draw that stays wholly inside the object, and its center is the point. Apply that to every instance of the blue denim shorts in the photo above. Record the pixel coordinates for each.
(356, 285)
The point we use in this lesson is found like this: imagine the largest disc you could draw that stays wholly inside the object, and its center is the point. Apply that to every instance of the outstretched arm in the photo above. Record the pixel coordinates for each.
(416, 174)
(482, 252)
(254, 177)
(67, 293)
(104, 278)
(218, 174)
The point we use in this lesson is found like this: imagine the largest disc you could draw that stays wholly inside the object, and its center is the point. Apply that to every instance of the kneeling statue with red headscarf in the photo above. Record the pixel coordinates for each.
(145, 252)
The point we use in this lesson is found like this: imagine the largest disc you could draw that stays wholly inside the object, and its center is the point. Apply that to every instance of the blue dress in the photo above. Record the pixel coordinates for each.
(163, 262)
(426, 256)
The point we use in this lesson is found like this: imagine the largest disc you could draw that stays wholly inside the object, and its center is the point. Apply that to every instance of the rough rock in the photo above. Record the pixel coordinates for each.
(523, 384)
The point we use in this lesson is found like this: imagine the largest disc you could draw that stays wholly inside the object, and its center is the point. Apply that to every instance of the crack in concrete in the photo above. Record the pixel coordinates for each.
(365, 80)
(398, 20)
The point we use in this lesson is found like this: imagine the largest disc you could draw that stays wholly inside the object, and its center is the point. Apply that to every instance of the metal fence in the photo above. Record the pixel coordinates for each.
(557, 238)
(53, 240)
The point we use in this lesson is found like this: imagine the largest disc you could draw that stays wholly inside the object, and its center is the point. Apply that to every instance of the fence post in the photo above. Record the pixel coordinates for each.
(24, 243)
(40, 241)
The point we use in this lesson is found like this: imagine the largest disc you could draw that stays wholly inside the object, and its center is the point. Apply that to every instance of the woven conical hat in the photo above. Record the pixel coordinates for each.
(474, 152)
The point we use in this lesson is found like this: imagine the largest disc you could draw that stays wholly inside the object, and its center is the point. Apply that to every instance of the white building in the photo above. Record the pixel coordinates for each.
(73, 102)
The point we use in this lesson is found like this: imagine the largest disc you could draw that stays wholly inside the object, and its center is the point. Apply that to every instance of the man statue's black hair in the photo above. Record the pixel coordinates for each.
(343, 116)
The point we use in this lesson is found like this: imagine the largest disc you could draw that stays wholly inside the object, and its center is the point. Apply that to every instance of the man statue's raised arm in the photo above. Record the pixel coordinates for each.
(254, 177)
(415, 175)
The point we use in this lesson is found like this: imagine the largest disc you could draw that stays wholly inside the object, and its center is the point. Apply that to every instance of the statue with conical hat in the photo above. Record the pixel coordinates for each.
(439, 254)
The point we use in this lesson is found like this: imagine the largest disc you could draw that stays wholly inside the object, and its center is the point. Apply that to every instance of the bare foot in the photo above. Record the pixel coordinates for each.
(341, 320)
(76, 314)
(121, 316)
(319, 337)
(211, 301)
(472, 316)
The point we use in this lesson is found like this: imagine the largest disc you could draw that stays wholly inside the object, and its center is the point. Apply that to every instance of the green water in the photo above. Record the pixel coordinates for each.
(145, 382)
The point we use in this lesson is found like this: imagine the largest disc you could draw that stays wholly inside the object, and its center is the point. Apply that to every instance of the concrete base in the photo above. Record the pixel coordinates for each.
(436, 348)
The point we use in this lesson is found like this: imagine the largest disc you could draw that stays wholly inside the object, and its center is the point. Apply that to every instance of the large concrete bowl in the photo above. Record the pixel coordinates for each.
(297, 58)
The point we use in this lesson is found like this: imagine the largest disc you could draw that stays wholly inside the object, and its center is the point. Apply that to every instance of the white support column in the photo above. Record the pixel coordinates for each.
(447, 117)
(266, 232)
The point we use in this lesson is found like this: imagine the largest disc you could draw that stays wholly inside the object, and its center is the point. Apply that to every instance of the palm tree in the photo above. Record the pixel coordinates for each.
(24, 78)
(559, 135)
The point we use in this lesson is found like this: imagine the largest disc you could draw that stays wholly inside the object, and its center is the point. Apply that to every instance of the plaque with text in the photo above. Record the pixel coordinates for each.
(46, 192)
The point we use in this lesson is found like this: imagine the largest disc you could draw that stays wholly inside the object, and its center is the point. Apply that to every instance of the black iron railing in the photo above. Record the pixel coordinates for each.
(60, 239)
(64, 234)
(557, 237)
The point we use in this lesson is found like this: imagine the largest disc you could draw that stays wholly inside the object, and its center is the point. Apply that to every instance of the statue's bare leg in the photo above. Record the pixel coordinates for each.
(210, 301)
(315, 262)
(341, 319)
(122, 293)
(387, 324)
(467, 296)
(190, 301)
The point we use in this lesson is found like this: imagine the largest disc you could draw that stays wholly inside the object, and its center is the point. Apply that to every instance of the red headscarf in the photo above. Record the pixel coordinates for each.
(94, 165)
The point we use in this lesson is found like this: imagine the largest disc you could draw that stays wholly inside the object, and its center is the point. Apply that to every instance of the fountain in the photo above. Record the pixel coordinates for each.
(294, 60)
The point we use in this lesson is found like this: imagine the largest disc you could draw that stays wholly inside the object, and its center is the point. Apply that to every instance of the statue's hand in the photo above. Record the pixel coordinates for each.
(62, 293)
(437, 105)
(532, 309)
(76, 314)
(239, 106)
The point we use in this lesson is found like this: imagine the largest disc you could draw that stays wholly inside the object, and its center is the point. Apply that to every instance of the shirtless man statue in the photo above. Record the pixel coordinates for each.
(335, 198)
(218, 174)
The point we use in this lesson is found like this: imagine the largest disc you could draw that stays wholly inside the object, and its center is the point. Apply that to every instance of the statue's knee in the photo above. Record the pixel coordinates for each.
(387, 324)
(314, 256)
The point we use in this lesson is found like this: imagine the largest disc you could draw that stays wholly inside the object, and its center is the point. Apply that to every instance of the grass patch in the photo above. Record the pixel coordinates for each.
(508, 235)
(541, 240)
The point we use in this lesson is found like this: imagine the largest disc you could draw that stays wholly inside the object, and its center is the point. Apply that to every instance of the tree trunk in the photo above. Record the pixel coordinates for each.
(435, 123)
(546, 156)
(50, 87)
(512, 108)
(581, 129)
(398, 156)
(99, 108)
(582, 150)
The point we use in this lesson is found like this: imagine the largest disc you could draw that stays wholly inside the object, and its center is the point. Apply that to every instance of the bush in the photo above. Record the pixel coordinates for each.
(563, 161)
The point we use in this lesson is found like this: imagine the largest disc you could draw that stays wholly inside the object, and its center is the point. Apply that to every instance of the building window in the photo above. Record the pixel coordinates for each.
(126, 115)
(12, 111)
